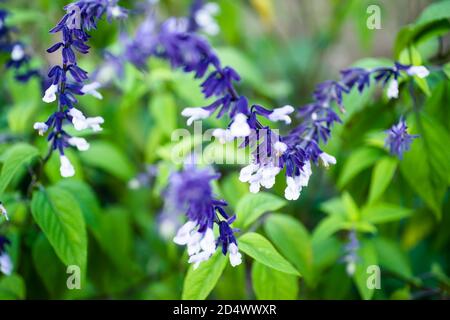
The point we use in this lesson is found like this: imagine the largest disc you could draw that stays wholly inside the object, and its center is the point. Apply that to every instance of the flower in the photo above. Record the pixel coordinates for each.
(50, 94)
(80, 143)
(351, 253)
(41, 127)
(281, 114)
(392, 91)
(239, 127)
(419, 71)
(190, 192)
(3, 211)
(398, 140)
(66, 169)
(194, 114)
(92, 89)
(6, 266)
(17, 52)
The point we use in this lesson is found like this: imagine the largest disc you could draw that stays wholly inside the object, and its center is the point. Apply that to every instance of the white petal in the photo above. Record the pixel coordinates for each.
(41, 127)
(91, 89)
(208, 243)
(247, 171)
(183, 235)
(194, 114)
(80, 143)
(281, 114)
(66, 169)
(3, 211)
(280, 148)
(50, 94)
(6, 266)
(240, 127)
(223, 135)
(17, 53)
(327, 159)
(419, 71)
(392, 91)
(235, 256)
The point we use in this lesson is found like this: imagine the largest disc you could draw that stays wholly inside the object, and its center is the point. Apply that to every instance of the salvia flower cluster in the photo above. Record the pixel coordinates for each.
(69, 80)
(19, 59)
(190, 193)
(398, 140)
(6, 266)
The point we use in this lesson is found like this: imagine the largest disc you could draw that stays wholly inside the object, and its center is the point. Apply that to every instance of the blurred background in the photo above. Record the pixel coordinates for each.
(282, 49)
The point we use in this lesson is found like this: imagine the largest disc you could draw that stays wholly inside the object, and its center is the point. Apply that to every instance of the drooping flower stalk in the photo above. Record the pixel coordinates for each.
(19, 59)
(189, 192)
(69, 80)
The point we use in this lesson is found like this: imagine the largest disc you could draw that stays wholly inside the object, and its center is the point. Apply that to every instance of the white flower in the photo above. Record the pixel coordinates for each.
(247, 171)
(80, 143)
(208, 243)
(184, 233)
(41, 127)
(350, 268)
(177, 25)
(279, 148)
(3, 211)
(295, 184)
(281, 114)
(91, 89)
(239, 127)
(196, 259)
(17, 53)
(235, 256)
(80, 122)
(6, 266)
(66, 169)
(327, 159)
(223, 135)
(134, 184)
(50, 93)
(258, 176)
(419, 71)
(194, 114)
(205, 18)
(392, 91)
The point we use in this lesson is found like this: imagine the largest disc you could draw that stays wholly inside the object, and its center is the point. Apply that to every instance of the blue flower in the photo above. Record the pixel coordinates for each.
(351, 257)
(189, 192)
(6, 266)
(398, 140)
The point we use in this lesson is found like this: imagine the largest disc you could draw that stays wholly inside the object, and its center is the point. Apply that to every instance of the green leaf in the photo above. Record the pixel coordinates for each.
(327, 227)
(357, 162)
(58, 215)
(392, 257)
(368, 257)
(164, 109)
(293, 241)
(252, 206)
(426, 167)
(351, 208)
(260, 249)
(201, 281)
(270, 284)
(107, 156)
(381, 177)
(15, 159)
(384, 212)
(12, 287)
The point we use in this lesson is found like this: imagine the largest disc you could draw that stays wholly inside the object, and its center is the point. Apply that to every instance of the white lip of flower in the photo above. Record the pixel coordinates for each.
(295, 184)
(235, 255)
(223, 135)
(91, 89)
(3, 211)
(194, 114)
(350, 268)
(279, 148)
(177, 25)
(134, 184)
(41, 127)
(419, 71)
(314, 116)
(392, 91)
(50, 93)
(327, 159)
(80, 143)
(116, 12)
(239, 127)
(66, 169)
(200, 246)
(6, 266)
(17, 53)
(281, 114)
(80, 122)
(258, 176)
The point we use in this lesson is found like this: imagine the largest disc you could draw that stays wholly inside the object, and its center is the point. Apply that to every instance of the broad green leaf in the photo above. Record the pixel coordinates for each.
(12, 287)
(367, 257)
(164, 109)
(327, 227)
(15, 159)
(333, 206)
(382, 174)
(293, 241)
(260, 249)
(201, 281)
(270, 284)
(392, 257)
(384, 212)
(252, 206)
(59, 216)
(351, 208)
(357, 162)
(108, 157)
